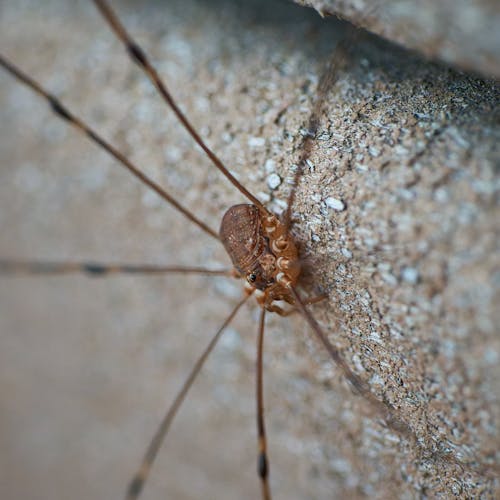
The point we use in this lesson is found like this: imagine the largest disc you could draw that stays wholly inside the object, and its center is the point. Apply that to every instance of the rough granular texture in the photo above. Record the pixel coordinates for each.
(397, 220)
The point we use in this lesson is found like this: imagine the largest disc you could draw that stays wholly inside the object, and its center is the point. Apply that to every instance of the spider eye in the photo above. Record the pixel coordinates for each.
(252, 277)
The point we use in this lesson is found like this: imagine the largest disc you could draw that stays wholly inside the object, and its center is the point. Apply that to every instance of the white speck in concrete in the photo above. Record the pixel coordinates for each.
(281, 204)
(341, 466)
(491, 357)
(370, 242)
(357, 363)
(173, 153)
(441, 195)
(270, 166)
(384, 267)
(400, 150)
(335, 204)
(273, 181)
(227, 137)
(376, 379)
(459, 139)
(346, 253)
(407, 194)
(93, 178)
(409, 275)
(304, 132)
(386, 274)
(360, 168)
(231, 340)
(256, 142)
(202, 104)
(311, 165)
(205, 131)
(263, 197)
(151, 199)
(142, 112)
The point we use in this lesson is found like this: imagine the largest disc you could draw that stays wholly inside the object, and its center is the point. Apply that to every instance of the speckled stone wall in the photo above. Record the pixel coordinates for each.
(396, 215)
(460, 33)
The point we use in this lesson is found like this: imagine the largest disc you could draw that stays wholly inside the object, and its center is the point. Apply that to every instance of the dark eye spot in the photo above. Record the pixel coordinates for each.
(252, 277)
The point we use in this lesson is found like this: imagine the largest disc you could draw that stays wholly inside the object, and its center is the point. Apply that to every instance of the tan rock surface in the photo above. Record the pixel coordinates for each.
(411, 265)
(461, 33)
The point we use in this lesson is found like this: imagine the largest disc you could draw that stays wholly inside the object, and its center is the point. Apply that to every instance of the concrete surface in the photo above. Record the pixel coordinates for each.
(460, 33)
(411, 265)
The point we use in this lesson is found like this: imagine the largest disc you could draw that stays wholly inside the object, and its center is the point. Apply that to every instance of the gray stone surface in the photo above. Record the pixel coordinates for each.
(464, 34)
(410, 265)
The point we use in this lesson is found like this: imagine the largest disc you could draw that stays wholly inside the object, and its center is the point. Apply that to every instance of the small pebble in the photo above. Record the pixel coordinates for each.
(270, 166)
(273, 181)
(311, 165)
(346, 253)
(441, 195)
(256, 142)
(231, 340)
(409, 275)
(335, 204)
(263, 197)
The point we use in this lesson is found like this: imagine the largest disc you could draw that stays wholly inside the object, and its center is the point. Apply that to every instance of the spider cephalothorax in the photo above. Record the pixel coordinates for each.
(262, 251)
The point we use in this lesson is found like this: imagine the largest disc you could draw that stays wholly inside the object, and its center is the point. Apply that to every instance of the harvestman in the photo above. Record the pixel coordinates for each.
(259, 244)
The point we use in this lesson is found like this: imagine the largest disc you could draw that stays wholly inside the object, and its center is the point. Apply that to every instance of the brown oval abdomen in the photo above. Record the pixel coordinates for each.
(240, 235)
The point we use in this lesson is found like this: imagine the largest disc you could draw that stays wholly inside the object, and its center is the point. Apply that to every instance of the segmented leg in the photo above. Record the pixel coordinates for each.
(283, 312)
(64, 113)
(137, 483)
(98, 269)
(139, 57)
(262, 460)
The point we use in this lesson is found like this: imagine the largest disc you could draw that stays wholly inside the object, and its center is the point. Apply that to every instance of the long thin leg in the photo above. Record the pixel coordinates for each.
(98, 269)
(262, 460)
(140, 58)
(283, 312)
(137, 483)
(64, 113)
(384, 409)
(327, 80)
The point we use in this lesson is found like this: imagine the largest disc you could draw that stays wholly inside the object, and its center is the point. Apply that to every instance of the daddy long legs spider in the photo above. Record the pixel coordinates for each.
(152, 383)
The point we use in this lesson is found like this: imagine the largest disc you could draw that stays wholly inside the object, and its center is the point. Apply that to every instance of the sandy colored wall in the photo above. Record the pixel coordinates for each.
(460, 33)
(411, 265)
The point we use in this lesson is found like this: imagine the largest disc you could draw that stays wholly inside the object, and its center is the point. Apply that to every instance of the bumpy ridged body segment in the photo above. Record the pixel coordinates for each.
(240, 234)
(261, 250)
